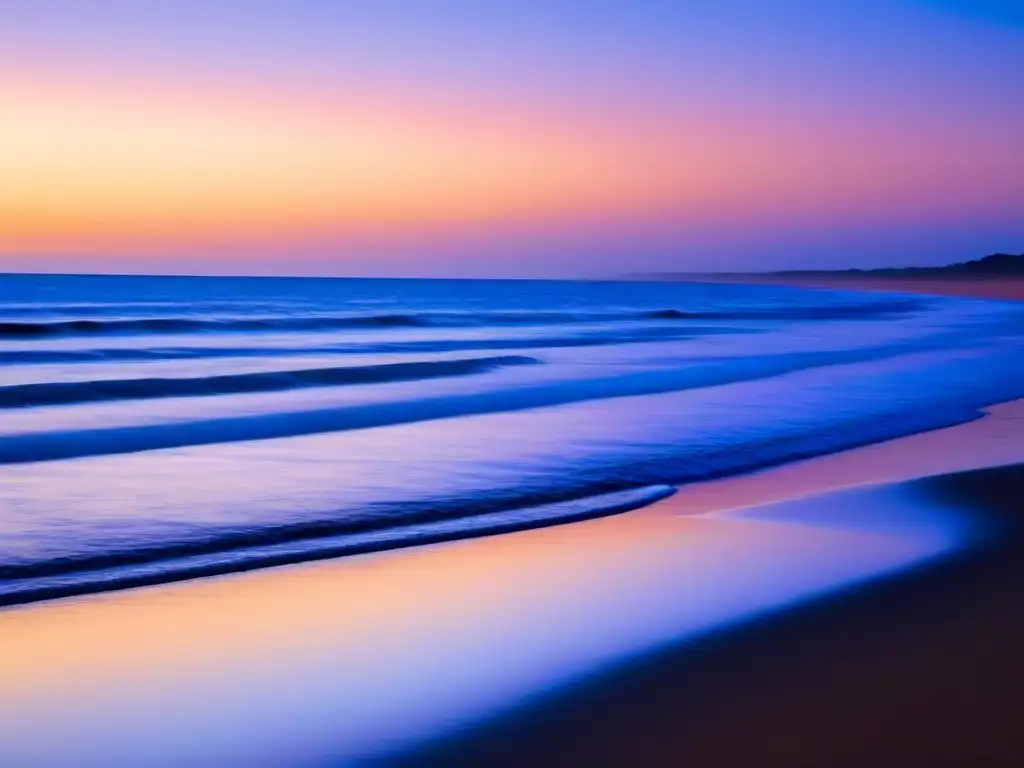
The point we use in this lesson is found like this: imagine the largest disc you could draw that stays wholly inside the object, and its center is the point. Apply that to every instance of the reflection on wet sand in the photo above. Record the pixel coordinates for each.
(356, 657)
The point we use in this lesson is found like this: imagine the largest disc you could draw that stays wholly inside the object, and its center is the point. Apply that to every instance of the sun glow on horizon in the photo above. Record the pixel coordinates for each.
(106, 167)
(139, 166)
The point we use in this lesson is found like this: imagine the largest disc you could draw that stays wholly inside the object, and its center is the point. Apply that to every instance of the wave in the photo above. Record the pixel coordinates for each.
(419, 346)
(55, 309)
(184, 325)
(261, 548)
(597, 478)
(75, 392)
(52, 446)
(872, 310)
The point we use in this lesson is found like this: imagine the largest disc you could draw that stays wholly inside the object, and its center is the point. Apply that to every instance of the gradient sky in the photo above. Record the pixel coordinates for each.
(493, 138)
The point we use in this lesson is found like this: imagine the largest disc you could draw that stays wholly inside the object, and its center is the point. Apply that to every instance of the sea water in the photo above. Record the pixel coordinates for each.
(154, 428)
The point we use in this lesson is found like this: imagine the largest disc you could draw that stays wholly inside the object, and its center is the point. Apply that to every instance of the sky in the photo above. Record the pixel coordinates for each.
(547, 138)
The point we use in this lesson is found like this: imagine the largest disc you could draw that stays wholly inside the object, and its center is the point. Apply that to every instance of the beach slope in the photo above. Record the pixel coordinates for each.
(798, 616)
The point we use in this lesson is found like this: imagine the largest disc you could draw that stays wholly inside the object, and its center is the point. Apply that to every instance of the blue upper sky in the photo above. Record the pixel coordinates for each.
(792, 75)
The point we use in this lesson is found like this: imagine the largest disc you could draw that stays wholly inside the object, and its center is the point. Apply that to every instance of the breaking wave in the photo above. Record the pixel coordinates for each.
(180, 325)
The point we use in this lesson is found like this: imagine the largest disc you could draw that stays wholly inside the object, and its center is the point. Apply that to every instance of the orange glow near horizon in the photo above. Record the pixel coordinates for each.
(109, 168)
(97, 168)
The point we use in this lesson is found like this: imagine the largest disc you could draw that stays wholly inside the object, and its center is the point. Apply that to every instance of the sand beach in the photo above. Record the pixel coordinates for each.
(694, 629)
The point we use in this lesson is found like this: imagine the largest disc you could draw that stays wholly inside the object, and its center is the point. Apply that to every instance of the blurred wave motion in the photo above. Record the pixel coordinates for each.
(153, 429)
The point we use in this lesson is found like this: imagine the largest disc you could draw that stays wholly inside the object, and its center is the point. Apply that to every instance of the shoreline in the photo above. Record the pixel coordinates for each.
(995, 439)
(513, 645)
(920, 668)
(861, 675)
(791, 479)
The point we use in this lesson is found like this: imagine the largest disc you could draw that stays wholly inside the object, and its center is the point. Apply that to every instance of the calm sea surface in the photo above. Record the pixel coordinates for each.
(154, 428)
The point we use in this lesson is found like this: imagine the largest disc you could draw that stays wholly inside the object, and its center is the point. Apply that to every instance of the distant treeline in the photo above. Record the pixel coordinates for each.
(995, 265)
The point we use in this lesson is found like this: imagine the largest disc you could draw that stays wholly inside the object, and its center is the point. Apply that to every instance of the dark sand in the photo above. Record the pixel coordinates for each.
(923, 669)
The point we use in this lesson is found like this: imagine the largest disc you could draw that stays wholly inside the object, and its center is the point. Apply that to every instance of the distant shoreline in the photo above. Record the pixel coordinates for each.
(1009, 288)
(998, 276)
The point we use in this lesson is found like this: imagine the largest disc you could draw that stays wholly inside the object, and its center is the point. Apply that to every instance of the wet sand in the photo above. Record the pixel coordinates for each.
(670, 635)
(921, 669)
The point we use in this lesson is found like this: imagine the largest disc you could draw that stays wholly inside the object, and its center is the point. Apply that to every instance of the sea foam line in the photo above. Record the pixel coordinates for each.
(158, 571)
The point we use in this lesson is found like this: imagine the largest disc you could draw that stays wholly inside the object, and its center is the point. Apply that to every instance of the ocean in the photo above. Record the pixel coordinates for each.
(159, 428)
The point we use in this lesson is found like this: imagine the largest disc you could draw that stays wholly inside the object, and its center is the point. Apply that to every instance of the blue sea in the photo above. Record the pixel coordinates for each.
(158, 428)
